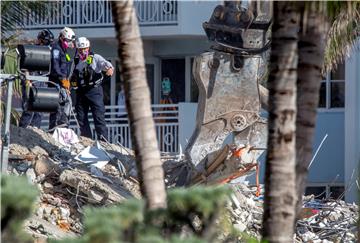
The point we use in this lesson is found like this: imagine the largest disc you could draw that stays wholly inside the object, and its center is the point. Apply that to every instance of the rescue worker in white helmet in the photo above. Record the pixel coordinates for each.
(87, 79)
(60, 70)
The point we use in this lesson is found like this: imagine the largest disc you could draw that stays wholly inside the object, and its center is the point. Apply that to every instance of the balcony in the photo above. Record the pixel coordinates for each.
(82, 14)
(166, 119)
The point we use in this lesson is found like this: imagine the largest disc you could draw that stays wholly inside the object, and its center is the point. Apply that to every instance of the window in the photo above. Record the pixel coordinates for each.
(332, 89)
(318, 191)
(337, 192)
(326, 191)
(150, 72)
(173, 72)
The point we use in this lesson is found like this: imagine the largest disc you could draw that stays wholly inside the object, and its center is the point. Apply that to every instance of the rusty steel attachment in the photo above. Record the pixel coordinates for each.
(228, 80)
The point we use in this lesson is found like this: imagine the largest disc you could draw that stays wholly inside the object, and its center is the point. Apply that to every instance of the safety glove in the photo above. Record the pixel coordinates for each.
(65, 83)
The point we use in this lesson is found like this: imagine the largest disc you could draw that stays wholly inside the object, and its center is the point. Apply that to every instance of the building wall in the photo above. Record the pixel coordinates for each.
(155, 48)
(200, 11)
(181, 47)
(108, 47)
(328, 165)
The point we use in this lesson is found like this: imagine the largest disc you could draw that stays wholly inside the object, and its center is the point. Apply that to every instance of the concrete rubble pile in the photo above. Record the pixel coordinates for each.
(67, 185)
(327, 220)
(322, 221)
(246, 210)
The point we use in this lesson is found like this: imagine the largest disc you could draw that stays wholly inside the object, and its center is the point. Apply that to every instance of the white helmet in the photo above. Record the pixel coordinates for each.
(68, 33)
(82, 42)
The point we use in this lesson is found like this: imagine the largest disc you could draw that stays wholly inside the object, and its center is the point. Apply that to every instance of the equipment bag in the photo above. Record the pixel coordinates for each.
(43, 99)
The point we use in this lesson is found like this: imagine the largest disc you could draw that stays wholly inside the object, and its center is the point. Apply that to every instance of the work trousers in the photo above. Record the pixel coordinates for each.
(91, 98)
(62, 116)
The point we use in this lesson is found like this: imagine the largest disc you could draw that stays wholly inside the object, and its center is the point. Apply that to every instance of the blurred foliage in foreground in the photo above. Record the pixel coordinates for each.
(194, 215)
(17, 201)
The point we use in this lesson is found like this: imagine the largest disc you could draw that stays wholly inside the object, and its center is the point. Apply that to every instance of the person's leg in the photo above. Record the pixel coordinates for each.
(53, 116)
(96, 102)
(64, 109)
(63, 118)
(52, 120)
(36, 120)
(26, 116)
(25, 119)
(82, 110)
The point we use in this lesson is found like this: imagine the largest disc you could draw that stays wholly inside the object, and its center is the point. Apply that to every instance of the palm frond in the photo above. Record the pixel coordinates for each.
(11, 67)
(14, 115)
(343, 33)
(15, 13)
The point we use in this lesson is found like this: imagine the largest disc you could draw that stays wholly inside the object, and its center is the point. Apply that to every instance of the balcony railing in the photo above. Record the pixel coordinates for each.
(166, 119)
(98, 14)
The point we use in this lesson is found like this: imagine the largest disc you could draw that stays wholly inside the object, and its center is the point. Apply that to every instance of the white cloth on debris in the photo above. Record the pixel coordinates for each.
(65, 136)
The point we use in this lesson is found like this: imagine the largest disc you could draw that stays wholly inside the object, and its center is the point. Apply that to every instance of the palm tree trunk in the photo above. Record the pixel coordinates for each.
(137, 95)
(311, 57)
(280, 194)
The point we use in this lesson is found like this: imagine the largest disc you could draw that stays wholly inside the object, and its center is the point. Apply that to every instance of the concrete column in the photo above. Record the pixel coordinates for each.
(352, 126)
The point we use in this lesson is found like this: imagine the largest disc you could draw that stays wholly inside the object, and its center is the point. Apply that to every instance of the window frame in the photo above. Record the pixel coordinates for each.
(328, 81)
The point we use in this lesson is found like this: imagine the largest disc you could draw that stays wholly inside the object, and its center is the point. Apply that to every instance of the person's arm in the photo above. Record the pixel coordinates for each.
(104, 65)
(55, 55)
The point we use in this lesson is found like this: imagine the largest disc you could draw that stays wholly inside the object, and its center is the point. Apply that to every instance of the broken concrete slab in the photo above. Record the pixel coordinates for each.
(45, 165)
(97, 190)
(41, 228)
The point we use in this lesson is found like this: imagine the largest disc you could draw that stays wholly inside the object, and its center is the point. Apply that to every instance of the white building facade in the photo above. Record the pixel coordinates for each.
(172, 35)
